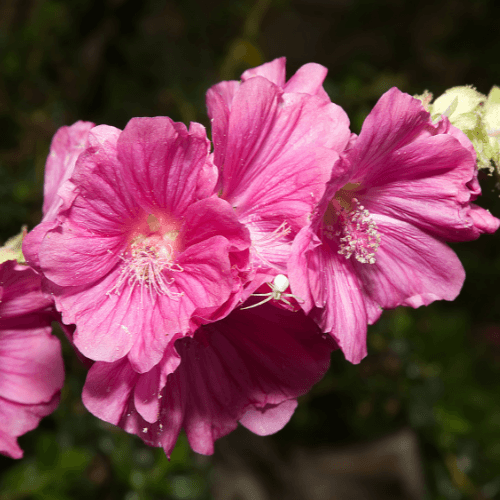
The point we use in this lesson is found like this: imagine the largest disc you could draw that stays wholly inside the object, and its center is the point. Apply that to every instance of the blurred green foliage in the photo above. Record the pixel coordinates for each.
(433, 369)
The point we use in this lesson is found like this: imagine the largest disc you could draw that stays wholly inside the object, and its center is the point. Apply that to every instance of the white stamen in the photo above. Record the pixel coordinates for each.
(357, 233)
(146, 265)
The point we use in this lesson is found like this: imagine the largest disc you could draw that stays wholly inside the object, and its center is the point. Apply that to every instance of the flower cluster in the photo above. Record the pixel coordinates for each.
(158, 249)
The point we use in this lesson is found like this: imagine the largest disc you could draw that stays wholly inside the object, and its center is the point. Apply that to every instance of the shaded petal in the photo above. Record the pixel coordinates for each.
(260, 360)
(21, 293)
(270, 420)
(17, 419)
(107, 389)
(31, 366)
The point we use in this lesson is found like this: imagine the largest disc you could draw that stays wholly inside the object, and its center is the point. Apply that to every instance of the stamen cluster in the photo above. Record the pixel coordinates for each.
(147, 264)
(357, 233)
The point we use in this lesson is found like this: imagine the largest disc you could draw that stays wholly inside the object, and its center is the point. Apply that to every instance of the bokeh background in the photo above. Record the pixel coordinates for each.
(420, 416)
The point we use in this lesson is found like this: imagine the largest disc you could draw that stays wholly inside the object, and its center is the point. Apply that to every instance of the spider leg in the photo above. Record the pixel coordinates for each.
(261, 294)
(298, 299)
(286, 301)
(258, 303)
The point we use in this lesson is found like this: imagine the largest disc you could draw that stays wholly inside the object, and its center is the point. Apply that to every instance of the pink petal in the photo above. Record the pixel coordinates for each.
(268, 421)
(104, 198)
(214, 217)
(219, 100)
(308, 79)
(33, 240)
(111, 322)
(396, 120)
(280, 150)
(66, 146)
(274, 71)
(332, 292)
(147, 390)
(162, 161)
(107, 389)
(31, 368)
(70, 255)
(17, 419)
(426, 184)
(412, 268)
(483, 221)
(229, 369)
(21, 292)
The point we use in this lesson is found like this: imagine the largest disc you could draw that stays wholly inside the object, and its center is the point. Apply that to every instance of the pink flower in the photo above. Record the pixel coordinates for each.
(31, 367)
(377, 237)
(140, 244)
(275, 143)
(65, 148)
(249, 367)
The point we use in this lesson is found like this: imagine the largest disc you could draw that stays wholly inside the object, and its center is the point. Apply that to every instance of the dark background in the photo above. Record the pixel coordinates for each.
(432, 372)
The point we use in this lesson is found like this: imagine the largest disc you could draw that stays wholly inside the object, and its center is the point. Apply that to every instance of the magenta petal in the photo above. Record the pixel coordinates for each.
(107, 389)
(21, 293)
(331, 288)
(214, 217)
(302, 268)
(105, 202)
(274, 71)
(72, 256)
(396, 120)
(412, 268)
(308, 79)
(103, 332)
(31, 368)
(33, 240)
(17, 419)
(219, 100)
(231, 370)
(268, 421)
(483, 221)
(426, 184)
(66, 146)
(146, 393)
(265, 369)
(280, 150)
(162, 162)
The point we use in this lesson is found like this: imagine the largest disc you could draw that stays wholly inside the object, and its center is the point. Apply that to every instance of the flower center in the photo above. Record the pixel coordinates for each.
(349, 223)
(150, 259)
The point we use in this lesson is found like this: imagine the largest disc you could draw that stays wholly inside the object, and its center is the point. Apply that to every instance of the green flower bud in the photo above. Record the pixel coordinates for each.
(475, 115)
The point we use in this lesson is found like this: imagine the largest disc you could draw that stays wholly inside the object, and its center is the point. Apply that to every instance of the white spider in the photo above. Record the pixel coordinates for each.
(278, 287)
